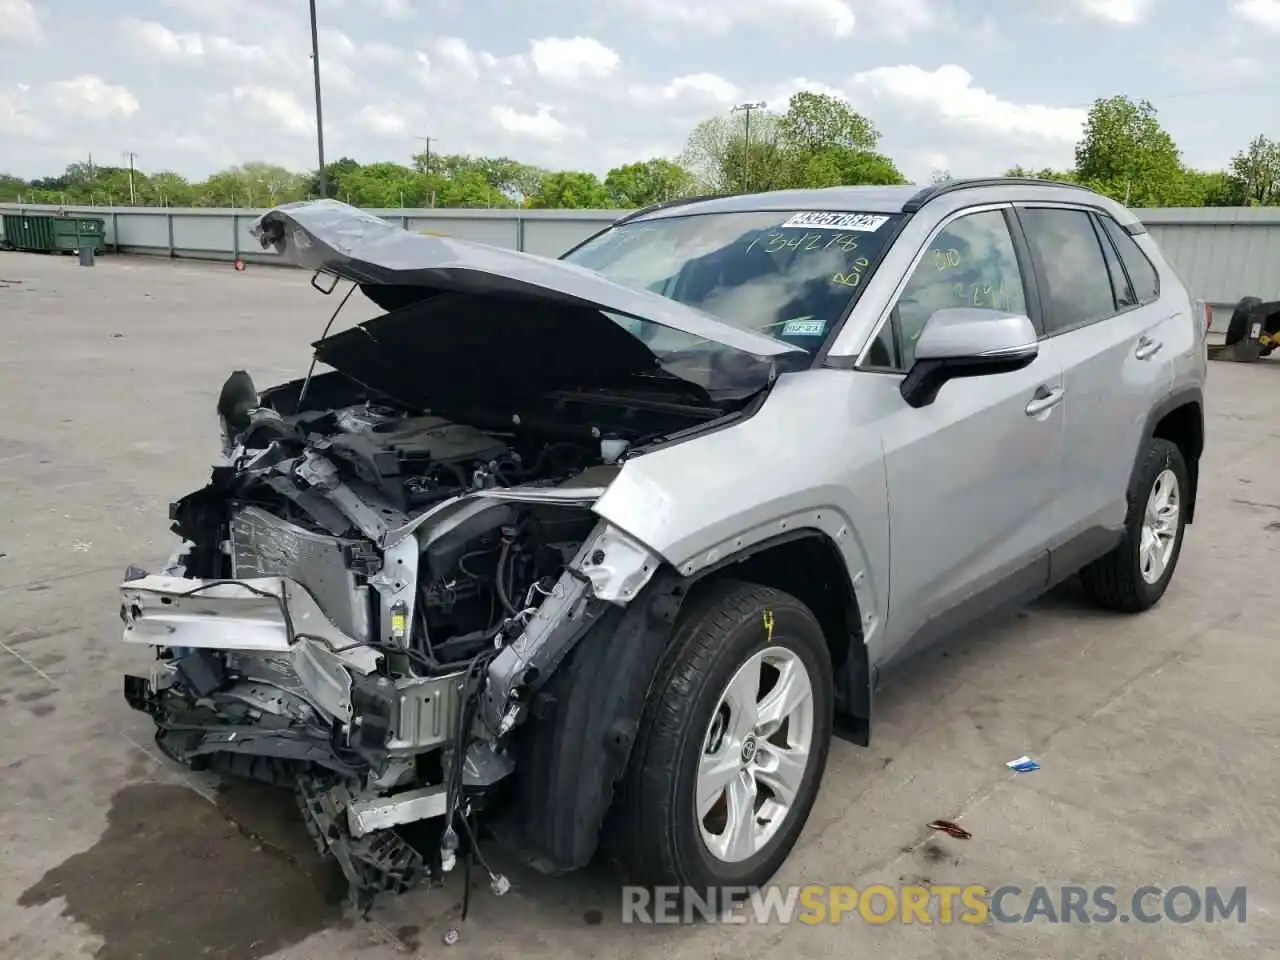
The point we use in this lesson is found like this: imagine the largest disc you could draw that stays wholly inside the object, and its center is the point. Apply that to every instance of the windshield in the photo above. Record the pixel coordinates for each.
(790, 276)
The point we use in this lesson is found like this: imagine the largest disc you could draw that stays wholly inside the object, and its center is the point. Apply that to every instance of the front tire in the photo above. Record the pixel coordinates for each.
(732, 743)
(1134, 576)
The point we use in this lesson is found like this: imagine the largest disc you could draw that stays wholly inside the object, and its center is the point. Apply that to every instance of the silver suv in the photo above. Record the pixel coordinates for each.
(607, 548)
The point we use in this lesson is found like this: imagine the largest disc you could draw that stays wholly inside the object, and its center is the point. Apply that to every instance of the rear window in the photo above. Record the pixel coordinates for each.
(1143, 276)
(790, 276)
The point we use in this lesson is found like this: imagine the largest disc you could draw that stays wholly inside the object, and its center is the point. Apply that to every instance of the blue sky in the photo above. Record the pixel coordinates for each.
(969, 86)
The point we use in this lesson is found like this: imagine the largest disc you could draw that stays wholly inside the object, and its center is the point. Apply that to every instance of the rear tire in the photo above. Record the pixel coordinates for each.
(692, 735)
(1134, 576)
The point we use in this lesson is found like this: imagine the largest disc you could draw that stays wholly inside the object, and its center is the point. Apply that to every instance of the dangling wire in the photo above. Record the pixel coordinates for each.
(302, 394)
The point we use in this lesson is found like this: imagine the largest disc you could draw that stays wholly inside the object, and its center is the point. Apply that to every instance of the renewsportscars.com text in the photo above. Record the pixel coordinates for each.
(938, 904)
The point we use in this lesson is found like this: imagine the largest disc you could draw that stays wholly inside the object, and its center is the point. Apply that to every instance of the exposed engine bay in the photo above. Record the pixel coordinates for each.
(364, 601)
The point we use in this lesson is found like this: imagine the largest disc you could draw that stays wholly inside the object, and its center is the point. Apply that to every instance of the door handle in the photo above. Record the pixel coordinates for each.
(1147, 348)
(1046, 398)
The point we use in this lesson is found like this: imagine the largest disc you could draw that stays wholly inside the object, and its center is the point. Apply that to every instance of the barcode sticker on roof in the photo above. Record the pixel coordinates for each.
(860, 222)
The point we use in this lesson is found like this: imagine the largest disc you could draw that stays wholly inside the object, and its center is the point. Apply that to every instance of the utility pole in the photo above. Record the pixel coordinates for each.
(130, 156)
(315, 65)
(426, 163)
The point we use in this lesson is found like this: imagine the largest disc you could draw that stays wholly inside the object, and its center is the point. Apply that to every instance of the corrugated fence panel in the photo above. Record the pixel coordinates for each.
(193, 234)
(497, 232)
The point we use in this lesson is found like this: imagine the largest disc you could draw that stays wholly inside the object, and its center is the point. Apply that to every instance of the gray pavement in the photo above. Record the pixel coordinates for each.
(1159, 735)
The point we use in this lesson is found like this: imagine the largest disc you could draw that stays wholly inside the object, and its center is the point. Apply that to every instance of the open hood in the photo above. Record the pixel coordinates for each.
(339, 239)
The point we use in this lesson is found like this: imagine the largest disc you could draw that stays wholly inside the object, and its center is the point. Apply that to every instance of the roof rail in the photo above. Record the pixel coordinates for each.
(951, 186)
(665, 204)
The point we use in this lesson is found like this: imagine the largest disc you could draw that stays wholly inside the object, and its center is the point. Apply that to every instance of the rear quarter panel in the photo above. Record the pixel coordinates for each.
(1183, 337)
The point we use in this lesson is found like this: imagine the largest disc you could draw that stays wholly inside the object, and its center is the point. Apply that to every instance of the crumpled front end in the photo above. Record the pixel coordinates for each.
(355, 617)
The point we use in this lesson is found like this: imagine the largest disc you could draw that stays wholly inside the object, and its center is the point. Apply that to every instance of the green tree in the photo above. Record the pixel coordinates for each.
(11, 187)
(1255, 173)
(639, 184)
(839, 166)
(1045, 173)
(1212, 188)
(569, 189)
(335, 172)
(1127, 155)
(722, 160)
(819, 121)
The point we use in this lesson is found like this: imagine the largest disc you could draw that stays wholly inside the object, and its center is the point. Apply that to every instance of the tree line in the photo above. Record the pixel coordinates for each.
(818, 141)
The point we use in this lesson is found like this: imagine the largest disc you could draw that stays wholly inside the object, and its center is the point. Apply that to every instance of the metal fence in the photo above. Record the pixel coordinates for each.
(1223, 253)
(223, 234)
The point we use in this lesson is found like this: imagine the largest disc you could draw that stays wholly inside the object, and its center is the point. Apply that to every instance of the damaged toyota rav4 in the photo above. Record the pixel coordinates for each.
(601, 552)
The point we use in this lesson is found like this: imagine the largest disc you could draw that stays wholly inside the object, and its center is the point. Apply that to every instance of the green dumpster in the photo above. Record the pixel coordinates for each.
(72, 233)
(45, 233)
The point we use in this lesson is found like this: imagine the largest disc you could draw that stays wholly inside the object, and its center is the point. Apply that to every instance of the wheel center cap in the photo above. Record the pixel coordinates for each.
(748, 749)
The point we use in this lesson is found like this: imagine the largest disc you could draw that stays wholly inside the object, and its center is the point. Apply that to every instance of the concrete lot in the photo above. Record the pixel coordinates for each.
(1159, 736)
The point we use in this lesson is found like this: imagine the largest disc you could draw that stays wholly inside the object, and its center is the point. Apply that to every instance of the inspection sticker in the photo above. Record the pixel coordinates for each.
(804, 327)
(860, 222)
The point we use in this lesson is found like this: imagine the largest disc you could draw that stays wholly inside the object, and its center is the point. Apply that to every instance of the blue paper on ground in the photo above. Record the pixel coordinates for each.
(1023, 765)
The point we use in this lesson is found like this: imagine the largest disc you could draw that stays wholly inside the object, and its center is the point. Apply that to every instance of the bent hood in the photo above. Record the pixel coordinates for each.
(396, 268)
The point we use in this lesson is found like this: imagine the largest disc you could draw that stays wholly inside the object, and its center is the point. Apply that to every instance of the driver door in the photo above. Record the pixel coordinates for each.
(973, 477)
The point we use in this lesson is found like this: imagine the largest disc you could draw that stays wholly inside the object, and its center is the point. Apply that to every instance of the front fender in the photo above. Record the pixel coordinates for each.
(701, 502)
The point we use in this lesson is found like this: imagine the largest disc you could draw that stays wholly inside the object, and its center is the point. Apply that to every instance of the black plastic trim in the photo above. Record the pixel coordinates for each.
(1032, 288)
(820, 358)
(1022, 583)
(1179, 398)
(933, 192)
(666, 205)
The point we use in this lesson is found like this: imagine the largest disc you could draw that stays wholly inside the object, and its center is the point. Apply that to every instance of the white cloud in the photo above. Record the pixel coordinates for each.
(573, 58)
(542, 125)
(1123, 12)
(336, 43)
(705, 87)
(1262, 13)
(455, 52)
(280, 106)
(384, 122)
(393, 9)
(383, 53)
(949, 94)
(835, 17)
(92, 97)
(158, 39)
(20, 21)
(17, 118)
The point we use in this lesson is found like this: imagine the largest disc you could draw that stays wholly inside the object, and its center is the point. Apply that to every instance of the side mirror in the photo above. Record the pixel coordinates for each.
(967, 342)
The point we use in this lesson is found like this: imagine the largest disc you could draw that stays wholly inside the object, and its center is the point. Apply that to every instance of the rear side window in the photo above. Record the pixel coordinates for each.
(1076, 276)
(1142, 274)
(1120, 288)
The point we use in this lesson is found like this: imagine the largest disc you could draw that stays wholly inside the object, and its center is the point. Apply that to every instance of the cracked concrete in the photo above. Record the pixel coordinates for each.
(1158, 735)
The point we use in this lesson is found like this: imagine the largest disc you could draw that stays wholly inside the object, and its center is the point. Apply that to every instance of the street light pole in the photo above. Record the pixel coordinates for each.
(315, 65)
(747, 108)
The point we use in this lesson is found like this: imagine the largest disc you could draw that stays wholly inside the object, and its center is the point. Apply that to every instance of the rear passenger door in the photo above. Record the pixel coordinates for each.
(1103, 312)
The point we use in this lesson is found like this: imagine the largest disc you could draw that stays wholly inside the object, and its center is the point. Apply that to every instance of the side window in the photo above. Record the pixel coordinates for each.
(1070, 251)
(1120, 288)
(971, 262)
(1146, 282)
